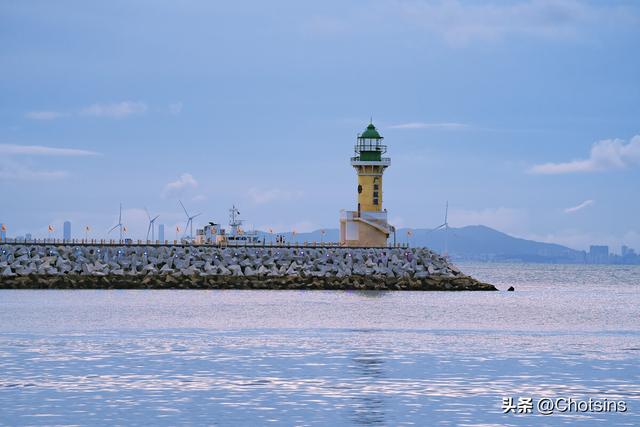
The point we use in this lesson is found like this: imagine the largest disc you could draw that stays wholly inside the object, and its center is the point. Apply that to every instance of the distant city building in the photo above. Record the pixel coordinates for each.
(66, 232)
(161, 232)
(28, 236)
(598, 254)
(627, 253)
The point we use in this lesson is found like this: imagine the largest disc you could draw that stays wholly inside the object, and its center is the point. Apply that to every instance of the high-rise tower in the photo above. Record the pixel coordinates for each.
(367, 226)
(161, 233)
(66, 231)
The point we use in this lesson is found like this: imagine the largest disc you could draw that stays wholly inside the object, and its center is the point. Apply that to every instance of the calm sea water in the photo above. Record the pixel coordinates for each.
(315, 358)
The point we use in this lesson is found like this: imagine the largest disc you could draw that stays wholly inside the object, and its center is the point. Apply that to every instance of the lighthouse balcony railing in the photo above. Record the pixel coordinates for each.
(357, 161)
(372, 216)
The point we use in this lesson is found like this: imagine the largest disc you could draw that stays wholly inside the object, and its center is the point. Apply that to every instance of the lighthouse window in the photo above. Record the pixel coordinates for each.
(375, 194)
(375, 187)
(359, 189)
(375, 201)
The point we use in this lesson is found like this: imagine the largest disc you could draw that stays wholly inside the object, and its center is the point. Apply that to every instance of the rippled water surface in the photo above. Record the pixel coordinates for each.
(319, 357)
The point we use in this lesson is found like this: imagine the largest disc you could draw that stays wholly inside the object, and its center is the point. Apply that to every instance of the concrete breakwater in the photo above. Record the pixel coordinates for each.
(206, 267)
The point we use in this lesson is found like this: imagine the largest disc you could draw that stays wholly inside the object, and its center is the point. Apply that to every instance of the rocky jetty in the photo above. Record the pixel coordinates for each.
(206, 267)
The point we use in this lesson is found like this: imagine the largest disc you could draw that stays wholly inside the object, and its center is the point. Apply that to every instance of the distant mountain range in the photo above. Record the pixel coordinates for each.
(474, 242)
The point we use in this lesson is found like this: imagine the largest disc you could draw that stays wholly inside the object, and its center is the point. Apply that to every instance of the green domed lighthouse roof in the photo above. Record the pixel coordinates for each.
(370, 133)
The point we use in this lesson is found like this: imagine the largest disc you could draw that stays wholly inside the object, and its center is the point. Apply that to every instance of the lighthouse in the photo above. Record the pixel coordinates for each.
(367, 225)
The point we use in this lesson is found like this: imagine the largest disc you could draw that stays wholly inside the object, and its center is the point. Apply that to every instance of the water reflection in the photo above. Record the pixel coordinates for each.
(368, 403)
(369, 294)
(319, 358)
(363, 377)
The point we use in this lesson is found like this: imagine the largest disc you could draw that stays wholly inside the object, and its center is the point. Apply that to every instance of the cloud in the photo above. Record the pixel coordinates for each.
(180, 186)
(421, 125)
(39, 150)
(581, 206)
(44, 115)
(10, 171)
(260, 197)
(118, 110)
(175, 108)
(462, 23)
(608, 154)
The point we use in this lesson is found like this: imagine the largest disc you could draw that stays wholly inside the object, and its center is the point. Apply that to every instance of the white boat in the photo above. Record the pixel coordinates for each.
(213, 233)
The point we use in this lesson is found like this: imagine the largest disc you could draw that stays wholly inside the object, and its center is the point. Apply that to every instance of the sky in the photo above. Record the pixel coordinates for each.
(523, 115)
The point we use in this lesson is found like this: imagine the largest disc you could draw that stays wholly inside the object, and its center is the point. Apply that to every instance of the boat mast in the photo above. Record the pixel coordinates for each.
(234, 221)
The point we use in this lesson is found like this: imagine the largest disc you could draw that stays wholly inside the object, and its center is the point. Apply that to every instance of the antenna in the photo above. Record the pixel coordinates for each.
(119, 224)
(189, 224)
(152, 226)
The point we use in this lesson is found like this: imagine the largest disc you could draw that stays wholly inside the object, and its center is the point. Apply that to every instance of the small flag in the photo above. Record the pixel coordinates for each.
(177, 229)
(87, 228)
(4, 227)
(124, 229)
(271, 231)
(50, 228)
(409, 233)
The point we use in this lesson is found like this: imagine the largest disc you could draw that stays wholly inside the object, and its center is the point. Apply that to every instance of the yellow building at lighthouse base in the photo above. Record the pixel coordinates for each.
(364, 228)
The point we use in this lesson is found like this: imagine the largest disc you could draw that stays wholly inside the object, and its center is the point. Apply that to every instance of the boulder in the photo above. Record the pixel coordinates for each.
(236, 270)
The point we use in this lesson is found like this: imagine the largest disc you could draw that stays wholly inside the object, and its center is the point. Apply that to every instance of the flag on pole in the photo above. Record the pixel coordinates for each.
(271, 231)
(87, 228)
(409, 233)
(50, 228)
(177, 229)
(124, 229)
(4, 227)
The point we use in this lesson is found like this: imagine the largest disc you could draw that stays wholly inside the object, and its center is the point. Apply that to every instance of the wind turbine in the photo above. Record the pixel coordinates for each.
(119, 224)
(189, 223)
(445, 225)
(152, 226)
